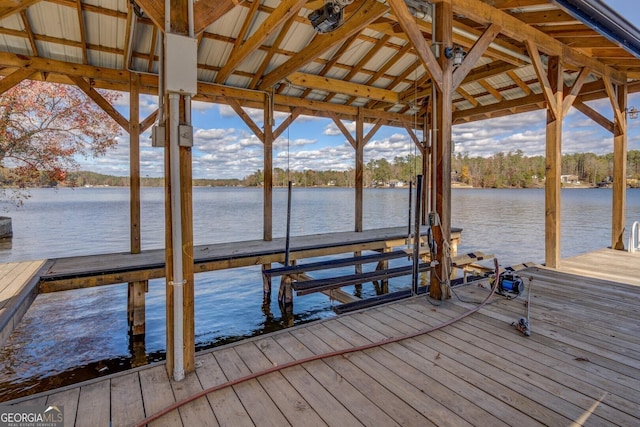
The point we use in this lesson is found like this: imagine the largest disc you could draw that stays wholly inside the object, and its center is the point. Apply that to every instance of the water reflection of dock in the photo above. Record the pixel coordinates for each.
(580, 364)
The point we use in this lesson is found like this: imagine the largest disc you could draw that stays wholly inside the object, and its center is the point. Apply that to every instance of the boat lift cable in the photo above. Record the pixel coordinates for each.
(319, 357)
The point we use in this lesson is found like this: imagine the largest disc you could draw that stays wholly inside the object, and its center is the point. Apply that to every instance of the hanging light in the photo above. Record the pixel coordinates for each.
(457, 53)
(632, 112)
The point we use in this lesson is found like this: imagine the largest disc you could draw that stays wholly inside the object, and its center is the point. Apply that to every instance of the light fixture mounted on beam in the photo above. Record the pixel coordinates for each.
(632, 112)
(455, 52)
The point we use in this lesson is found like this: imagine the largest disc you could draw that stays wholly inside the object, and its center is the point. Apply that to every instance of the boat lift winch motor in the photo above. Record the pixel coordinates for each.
(510, 283)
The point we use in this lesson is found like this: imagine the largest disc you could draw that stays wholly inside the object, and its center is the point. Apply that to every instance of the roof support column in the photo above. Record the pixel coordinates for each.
(180, 84)
(134, 162)
(619, 168)
(360, 142)
(553, 163)
(267, 195)
(439, 288)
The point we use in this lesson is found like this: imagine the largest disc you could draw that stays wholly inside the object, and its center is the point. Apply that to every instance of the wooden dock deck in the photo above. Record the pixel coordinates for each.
(104, 269)
(580, 366)
(18, 288)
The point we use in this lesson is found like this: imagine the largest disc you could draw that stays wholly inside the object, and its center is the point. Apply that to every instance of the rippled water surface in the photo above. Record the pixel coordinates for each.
(70, 336)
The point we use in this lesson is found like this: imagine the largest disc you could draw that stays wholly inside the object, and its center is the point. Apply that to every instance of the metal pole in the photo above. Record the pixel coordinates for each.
(409, 216)
(416, 236)
(286, 250)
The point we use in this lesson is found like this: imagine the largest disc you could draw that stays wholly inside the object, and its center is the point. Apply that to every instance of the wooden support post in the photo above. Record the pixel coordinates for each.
(137, 290)
(168, 238)
(285, 294)
(268, 170)
(179, 105)
(186, 225)
(359, 170)
(188, 298)
(553, 164)
(619, 170)
(266, 284)
(442, 127)
(425, 152)
(134, 162)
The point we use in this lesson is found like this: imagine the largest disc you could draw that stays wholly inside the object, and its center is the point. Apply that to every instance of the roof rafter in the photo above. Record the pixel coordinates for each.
(205, 12)
(475, 54)
(418, 41)
(340, 86)
(367, 13)
(242, 49)
(83, 32)
(14, 6)
(514, 28)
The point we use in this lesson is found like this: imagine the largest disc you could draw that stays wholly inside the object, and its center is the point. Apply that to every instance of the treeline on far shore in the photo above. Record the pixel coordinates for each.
(502, 170)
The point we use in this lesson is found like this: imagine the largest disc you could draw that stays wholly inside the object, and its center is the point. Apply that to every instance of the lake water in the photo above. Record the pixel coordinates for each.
(70, 336)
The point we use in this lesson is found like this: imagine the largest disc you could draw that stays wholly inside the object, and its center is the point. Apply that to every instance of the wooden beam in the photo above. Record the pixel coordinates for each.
(553, 159)
(103, 103)
(476, 52)
(439, 288)
(512, 27)
(593, 115)
(517, 80)
(134, 165)
(271, 52)
(367, 13)
(549, 94)
(29, 31)
(497, 95)
(148, 121)
(411, 29)
(359, 66)
(205, 12)
(344, 87)
(344, 130)
(246, 118)
(285, 11)
(575, 90)
(15, 78)
(152, 49)
(287, 122)
(17, 6)
(359, 178)
(468, 97)
(60, 67)
(267, 193)
(618, 210)
(376, 127)
(546, 17)
(618, 114)
(83, 32)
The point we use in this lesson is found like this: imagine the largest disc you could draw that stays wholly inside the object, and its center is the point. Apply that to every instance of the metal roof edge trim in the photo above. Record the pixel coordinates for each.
(602, 18)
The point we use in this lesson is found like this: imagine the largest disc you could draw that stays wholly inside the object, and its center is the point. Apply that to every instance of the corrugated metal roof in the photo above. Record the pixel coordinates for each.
(56, 29)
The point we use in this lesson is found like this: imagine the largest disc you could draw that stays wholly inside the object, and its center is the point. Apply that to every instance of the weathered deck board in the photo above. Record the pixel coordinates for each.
(580, 365)
(126, 399)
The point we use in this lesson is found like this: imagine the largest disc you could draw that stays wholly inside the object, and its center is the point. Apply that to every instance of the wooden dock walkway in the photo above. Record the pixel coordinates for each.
(97, 270)
(18, 289)
(580, 366)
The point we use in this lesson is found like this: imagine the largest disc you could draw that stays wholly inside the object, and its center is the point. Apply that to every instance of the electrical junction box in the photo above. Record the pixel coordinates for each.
(181, 64)
(158, 136)
(186, 135)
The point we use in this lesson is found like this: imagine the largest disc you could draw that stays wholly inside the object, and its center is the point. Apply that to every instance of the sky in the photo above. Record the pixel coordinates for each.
(224, 147)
